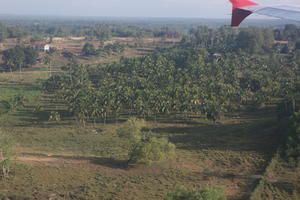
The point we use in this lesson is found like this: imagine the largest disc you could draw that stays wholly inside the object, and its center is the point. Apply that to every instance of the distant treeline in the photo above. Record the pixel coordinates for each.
(196, 34)
(11, 32)
(98, 31)
(251, 40)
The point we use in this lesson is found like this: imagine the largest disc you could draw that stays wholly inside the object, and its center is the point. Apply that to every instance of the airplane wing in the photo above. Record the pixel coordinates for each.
(244, 8)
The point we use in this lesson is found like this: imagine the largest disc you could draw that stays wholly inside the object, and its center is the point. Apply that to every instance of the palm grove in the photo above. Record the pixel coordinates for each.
(186, 79)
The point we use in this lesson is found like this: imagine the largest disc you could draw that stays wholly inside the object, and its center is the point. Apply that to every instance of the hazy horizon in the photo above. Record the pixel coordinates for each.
(214, 9)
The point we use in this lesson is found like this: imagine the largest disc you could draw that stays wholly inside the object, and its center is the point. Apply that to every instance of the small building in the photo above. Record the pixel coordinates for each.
(216, 56)
(282, 46)
(47, 47)
(281, 42)
(42, 47)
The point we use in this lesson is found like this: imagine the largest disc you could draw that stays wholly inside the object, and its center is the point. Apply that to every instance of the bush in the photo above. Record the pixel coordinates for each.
(17, 101)
(207, 193)
(132, 131)
(292, 150)
(55, 83)
(142, 148)
(4, 107)
(153, 150)
(54, 117)
(68, 54)
(89, 50)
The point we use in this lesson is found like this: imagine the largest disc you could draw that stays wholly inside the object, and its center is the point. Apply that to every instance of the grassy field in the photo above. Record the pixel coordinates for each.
(281, 181)
(63, 160)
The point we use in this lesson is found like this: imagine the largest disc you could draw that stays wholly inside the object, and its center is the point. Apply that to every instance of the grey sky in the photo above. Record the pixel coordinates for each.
(126, 8)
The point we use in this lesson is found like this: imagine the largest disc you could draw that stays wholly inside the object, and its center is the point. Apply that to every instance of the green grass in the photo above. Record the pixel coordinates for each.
(29, 92)
(9, 92)
(281, 181)
(70, 140)
(228, 154)
(30, 76)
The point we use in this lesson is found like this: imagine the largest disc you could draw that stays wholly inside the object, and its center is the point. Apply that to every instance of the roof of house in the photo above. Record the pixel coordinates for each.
(39, 45)
(281, 42)
(217, 54)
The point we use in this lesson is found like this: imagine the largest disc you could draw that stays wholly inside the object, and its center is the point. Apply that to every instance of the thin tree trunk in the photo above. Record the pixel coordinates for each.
(83, 121)
(286, 106)
(11, 72)
(104, 119)
(20, 72)
(293, 104)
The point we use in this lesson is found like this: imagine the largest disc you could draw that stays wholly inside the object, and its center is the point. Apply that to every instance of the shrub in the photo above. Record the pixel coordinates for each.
(89, 50)
(68, 54)
(132, 131)
(207, 193)
(155, 149)
(54, 116)
(4, 107)
(292, 150)
(54, 83)
(142, 148)
(17, 101)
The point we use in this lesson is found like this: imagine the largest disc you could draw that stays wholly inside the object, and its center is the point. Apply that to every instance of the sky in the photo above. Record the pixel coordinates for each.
(126, 8)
